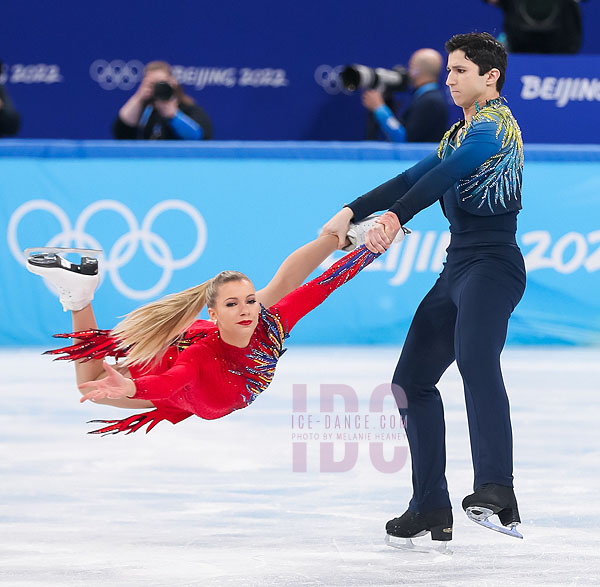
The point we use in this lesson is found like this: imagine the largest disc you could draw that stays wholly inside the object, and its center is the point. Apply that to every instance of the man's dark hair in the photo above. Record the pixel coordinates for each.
(483, 50)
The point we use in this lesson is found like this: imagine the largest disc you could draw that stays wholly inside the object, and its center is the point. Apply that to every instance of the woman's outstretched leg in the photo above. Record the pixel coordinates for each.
(85, 371)
(76, 284)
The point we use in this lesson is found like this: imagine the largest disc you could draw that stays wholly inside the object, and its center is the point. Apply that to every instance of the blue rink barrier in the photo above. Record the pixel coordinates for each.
(171, 216)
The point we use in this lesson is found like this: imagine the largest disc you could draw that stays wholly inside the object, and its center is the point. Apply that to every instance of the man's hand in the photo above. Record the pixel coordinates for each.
(113, 386)
(380, 237)
(372, 99)
(338, 225)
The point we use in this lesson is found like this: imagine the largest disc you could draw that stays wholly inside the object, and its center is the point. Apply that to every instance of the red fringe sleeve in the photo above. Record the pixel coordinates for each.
(137, 421)
(95, 344)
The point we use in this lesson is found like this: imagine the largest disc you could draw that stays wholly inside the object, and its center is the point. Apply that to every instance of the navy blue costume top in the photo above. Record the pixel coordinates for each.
(476, 174)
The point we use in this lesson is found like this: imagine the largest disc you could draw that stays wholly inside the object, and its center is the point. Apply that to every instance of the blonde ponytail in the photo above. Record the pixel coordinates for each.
(148, 331)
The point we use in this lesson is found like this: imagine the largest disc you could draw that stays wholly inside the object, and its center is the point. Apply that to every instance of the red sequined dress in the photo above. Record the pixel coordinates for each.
(201, 374)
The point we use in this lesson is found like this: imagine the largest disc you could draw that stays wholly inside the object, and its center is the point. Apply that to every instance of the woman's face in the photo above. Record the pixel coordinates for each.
(236, 310)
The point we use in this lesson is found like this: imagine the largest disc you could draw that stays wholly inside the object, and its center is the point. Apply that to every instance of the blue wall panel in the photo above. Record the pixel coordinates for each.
(166, 223)
(263, 70)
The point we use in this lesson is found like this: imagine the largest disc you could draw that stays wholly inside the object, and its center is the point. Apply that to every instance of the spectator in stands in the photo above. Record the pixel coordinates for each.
(425, 120)
(10, 121)
(541, 26)
(159, 109)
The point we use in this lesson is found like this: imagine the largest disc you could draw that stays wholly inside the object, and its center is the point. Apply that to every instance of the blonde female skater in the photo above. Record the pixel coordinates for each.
(181, 366)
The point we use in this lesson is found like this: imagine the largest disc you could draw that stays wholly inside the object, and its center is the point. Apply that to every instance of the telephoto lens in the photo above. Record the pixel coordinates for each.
(163, 91)
(362, 77)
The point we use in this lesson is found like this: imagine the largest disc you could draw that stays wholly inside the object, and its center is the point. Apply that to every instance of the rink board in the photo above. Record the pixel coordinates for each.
(171, 216)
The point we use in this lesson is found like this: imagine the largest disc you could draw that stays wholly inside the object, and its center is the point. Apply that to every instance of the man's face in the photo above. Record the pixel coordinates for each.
(464, 81)
(413, 69)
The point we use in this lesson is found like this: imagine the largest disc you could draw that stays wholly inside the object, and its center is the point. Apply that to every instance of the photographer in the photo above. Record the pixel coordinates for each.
(541, 26)
(160, 110)
(426, 118)
(10, 121)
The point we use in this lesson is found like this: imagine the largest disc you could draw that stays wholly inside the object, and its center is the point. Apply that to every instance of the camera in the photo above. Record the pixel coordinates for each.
(163, 91)
(363, 77)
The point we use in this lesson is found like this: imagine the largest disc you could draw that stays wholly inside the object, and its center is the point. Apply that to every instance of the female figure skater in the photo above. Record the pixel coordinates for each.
(182, 366)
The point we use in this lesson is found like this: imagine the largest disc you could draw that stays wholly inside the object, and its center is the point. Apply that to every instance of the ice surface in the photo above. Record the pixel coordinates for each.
(217, 503)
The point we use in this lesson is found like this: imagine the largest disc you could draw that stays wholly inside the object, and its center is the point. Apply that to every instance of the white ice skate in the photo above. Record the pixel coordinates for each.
(75, 283)
(358, 231)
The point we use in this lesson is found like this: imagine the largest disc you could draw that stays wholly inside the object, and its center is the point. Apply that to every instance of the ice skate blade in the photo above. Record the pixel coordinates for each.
(480, 516)
(408, 545)
(48, 264)
(63, 250)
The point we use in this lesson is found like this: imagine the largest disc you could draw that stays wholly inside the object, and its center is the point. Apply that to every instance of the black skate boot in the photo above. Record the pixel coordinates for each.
(490, 499)
(412, 525)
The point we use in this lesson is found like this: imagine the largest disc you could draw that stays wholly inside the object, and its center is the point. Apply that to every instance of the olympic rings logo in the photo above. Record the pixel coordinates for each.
(125, 247)
(329, 79)
(117, 73)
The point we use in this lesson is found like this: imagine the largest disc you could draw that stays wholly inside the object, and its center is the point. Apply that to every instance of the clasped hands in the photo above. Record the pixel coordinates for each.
(377, 240)
(380, 237)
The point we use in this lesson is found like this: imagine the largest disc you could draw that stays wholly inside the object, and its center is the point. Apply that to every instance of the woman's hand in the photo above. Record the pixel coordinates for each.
(380, 237)
(338, 225)
(113, 386)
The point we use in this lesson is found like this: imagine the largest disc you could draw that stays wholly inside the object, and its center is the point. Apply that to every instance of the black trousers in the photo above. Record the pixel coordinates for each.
(464, 318)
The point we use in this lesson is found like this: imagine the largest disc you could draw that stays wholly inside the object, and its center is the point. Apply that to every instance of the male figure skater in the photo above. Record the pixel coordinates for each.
(476, 176)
